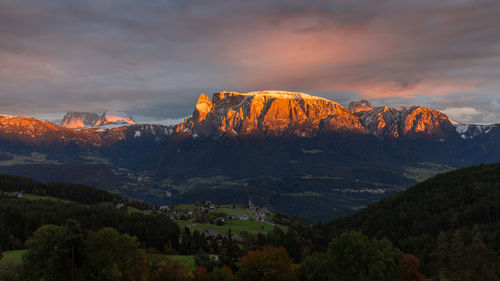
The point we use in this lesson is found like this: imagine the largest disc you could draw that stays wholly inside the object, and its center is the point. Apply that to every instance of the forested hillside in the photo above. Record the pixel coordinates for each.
(451, 222)
(75, 192)
(446, 228)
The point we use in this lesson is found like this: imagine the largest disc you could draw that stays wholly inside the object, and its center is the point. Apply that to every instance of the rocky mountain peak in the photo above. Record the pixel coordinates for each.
(114, 118)
(202, 108)
(77, 120)
(405, 122)
(357, 106)
(270, 113)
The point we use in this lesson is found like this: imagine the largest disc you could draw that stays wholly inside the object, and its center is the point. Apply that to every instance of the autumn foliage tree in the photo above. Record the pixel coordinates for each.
(408, 269)
(268, 264)
(201, 274)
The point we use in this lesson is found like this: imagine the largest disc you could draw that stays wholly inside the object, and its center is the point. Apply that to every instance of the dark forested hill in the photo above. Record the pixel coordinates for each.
(452, 208)
(74, 192)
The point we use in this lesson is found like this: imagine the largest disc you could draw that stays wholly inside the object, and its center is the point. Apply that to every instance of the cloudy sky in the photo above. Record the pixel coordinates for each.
(153, 58)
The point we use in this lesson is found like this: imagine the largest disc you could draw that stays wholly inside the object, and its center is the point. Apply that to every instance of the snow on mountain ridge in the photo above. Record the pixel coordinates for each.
(279, 94)
(469, 131)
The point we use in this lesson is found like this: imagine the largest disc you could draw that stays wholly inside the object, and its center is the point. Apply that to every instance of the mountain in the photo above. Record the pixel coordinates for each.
(357, 106)
(287, 114)
(114, 118)
(269, 113)
(469, 131)
(79, 119)
(292, 152)
(254, 114)
(30, 132)
(415, 121)
(91, 119)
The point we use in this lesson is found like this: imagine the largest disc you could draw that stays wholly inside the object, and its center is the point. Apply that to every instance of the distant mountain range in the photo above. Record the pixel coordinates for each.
(255, 114)
(272, 113)
(290, 151)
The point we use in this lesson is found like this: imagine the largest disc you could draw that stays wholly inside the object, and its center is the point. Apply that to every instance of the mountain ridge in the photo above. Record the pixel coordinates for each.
(77, 120)
(253, 114)
(274, 113)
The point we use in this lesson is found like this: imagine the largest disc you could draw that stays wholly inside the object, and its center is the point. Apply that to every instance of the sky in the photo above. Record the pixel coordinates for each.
(153, 58)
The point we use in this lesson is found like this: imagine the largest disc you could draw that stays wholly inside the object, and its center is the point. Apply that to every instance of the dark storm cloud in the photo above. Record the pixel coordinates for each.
(153, 58)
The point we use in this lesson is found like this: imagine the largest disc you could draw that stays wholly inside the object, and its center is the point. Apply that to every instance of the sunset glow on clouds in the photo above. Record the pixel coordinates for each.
(155, 57)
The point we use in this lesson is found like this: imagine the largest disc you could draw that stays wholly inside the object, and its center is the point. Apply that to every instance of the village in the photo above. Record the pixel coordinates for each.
(203, 212)
(206, 217)
(207, 212)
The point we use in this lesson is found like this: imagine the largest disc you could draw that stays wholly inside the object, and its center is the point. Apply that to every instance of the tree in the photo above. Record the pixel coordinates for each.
(204, 260)
(408, 269)
(12, 272)
(314, 268)
(441, 255)
(268, 264)
(483, 263)
(51, 253)
(222, 274)
(110, 255)
(459, 261)
(169, 270)
(201, 274)
(353, 256)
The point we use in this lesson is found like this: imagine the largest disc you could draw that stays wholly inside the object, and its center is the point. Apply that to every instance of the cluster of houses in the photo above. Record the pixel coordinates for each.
(260, 212)
(203, 207)
(16, 194)
(112, 205)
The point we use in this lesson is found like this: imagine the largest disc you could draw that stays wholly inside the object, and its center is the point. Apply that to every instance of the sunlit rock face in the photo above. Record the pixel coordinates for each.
(269, 113)
(357, 106)
(33, 132)
(30, 131)
(77, 120)
(415, 121)
(114, 118)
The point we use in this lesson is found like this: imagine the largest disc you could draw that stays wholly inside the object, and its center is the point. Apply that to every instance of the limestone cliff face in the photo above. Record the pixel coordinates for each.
(269, 113)
(78, 120)
(415, 121)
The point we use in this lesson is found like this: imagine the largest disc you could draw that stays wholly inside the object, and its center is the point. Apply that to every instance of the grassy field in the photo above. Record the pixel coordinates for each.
(238, 211)
(188, 261)
(12, 257)
(425, 170)
(192, 183)
(39, 197)
(236, 226)
(131, 210)
(16, 257)
(34, 158)
(306, 193)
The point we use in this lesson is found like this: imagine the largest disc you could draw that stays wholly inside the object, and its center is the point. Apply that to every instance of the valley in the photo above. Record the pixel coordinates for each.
(249, 140)
(281, 148)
